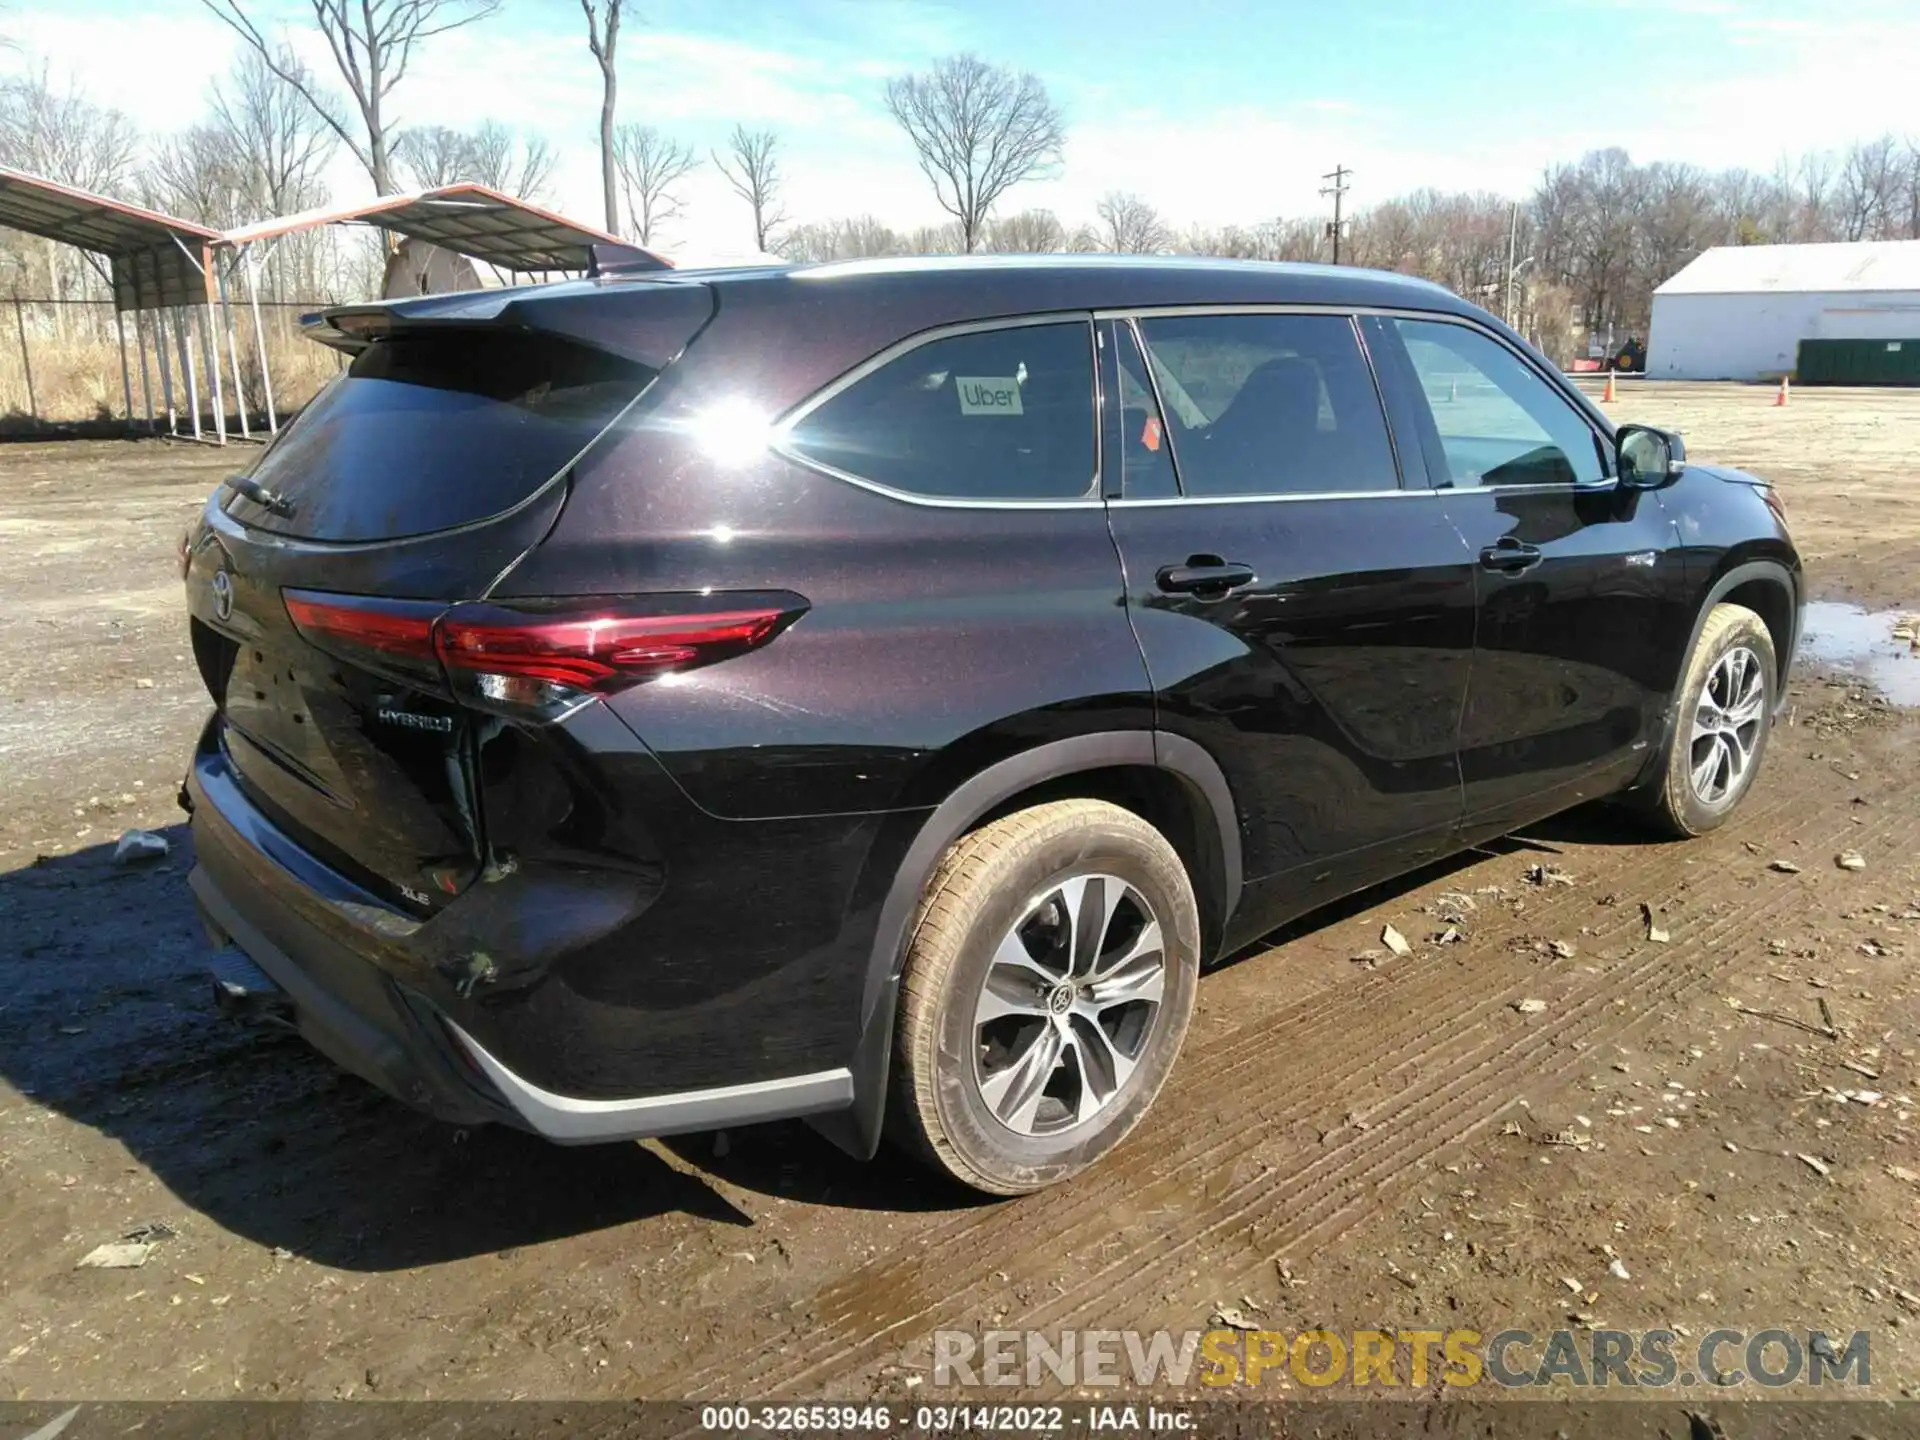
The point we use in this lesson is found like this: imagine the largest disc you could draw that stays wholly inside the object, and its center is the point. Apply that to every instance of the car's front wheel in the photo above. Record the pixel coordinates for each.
(1048, 983)
(1721, 727)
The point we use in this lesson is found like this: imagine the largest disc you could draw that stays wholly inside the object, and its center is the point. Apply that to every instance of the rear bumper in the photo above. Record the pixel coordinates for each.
(259, 891)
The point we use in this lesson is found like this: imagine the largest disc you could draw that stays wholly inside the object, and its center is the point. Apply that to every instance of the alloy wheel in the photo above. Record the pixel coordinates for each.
(1726, 725)
(1069, 1003)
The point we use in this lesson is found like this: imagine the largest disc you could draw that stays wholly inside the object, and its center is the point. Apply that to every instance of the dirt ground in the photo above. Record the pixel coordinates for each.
(1343, 1145)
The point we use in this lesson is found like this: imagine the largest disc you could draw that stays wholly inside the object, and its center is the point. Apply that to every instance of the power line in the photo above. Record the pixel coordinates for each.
(1338, 175)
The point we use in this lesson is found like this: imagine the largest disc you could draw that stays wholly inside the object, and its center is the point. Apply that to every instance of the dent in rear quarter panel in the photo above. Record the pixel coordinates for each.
(635, 944)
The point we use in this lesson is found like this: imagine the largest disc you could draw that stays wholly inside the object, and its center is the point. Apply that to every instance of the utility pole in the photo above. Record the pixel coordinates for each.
(1338, 175)
(1513, 237)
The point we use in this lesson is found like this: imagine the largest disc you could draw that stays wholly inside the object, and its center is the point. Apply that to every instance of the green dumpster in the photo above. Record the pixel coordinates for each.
(1858, 362)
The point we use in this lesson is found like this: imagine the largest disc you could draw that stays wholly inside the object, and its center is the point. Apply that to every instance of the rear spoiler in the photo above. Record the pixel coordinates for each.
(646, 322)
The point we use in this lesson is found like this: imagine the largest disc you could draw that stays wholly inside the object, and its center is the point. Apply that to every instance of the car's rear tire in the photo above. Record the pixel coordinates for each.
(1080, 917)
(1722, 719)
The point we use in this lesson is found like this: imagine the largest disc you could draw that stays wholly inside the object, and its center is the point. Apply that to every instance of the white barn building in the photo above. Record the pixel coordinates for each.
(1739, 312)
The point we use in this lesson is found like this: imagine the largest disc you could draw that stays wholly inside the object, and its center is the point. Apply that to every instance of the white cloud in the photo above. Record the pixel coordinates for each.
(1781, 79)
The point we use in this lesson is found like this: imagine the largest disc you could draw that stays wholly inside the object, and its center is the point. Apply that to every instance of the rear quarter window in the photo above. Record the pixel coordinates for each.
(1003, 414)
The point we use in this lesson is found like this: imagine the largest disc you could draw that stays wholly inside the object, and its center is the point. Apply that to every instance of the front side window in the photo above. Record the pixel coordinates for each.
(1269, 404)
(1499, 422)
(988, 415)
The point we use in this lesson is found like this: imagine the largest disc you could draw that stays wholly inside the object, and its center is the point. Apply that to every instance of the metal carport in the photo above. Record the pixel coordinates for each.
(162, 265)
(157, 265)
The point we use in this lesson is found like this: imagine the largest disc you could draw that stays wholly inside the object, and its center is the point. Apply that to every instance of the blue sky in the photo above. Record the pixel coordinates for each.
(1213, 111)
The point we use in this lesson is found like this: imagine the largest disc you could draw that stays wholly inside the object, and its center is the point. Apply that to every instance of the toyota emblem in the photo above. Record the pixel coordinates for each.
(222, 595)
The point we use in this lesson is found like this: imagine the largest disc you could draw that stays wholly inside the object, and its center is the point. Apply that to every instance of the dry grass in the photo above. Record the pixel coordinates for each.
(76, 378)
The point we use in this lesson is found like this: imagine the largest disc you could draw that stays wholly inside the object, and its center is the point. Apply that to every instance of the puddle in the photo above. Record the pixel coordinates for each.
(1863, 641)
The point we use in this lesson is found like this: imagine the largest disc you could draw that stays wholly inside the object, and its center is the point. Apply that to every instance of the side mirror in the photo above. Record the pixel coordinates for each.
(1647, 458)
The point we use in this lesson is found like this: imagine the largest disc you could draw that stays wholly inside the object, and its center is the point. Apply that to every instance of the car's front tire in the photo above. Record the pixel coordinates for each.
(1049, 979)
(1721, 725)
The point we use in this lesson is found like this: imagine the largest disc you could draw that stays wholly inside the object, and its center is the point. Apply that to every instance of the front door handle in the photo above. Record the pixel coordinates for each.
(1204, 575)
(1510, 556)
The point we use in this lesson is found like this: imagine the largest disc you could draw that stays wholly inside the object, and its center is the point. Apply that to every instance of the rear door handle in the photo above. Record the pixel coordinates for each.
(1510, 556)
(1204, 574)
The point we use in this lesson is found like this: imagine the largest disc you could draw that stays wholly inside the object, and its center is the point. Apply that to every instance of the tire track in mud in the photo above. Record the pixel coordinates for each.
(850, 1305)
(1400, 1037)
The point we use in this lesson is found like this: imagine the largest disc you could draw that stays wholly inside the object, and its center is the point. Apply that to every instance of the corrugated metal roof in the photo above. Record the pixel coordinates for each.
(1800, 269)
(155, 258)
(92, 222)
(471, 219)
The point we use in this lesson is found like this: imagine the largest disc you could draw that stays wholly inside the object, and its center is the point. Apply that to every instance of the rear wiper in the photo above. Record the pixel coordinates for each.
(268, 500)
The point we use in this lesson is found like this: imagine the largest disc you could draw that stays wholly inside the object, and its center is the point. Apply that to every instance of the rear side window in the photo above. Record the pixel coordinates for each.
(434, 429)
(1499, 422)
(1269, 404)
(989, 415)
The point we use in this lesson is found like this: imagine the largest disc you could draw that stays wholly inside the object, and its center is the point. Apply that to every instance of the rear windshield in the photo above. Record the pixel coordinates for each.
(434, 429)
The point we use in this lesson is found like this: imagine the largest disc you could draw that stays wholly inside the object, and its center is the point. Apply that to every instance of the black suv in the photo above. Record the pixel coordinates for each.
(872, 691)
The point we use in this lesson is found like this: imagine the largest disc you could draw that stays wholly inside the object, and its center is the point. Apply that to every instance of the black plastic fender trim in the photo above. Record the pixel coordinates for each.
(1769, 570)
(857, 1129)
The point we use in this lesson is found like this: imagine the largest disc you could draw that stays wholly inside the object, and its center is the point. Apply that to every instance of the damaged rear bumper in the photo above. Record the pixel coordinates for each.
(253, 886)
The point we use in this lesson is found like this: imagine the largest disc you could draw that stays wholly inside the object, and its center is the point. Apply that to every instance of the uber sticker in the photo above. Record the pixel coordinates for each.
(988, 394)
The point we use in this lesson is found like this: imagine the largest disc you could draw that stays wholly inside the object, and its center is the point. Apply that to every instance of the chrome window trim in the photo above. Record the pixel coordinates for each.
(1129, 315)
(1396, 493)
(1553, 379)
(780, 439)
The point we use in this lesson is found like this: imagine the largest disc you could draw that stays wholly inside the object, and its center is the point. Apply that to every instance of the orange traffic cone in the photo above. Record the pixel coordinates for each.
(1608, 398)
(1780, 400)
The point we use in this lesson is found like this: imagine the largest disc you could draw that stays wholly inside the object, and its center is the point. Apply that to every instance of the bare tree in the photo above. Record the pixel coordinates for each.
(64, 136)
(372, 42)
(200, 174)
(1027, 232)
(61, 134)
(1132, 226)
(853, 239)
(944, 239)
(520, 166)
(1870, 185)
(602, 40)
(978, 129)
(1807, 185)
(285, 145)
(754, 174)
(1085, 240)
(650, 166)
(432, 156)
(1913, 189)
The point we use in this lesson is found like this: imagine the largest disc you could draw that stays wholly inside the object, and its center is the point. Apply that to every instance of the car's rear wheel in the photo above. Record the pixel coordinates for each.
(1721, 727)
(1048, 983)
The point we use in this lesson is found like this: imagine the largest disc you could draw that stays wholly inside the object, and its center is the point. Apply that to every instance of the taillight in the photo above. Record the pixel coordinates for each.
(1774, 503)
(543, 655)
(392, 637)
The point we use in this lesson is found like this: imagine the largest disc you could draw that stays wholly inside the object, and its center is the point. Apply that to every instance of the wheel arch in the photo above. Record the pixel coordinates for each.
(1771, 589)
(1768, 588)
(1169, 780)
